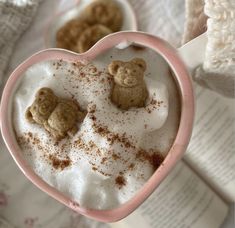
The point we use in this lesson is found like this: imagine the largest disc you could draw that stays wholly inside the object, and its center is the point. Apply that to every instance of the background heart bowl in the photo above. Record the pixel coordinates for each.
(174, 155)
(60, 19)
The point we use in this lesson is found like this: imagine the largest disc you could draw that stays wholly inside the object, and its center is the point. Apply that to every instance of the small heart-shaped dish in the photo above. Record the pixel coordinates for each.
(123, 39)
(60, 19)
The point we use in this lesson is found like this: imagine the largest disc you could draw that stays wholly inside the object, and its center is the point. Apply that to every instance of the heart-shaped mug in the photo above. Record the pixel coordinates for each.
(175, 153)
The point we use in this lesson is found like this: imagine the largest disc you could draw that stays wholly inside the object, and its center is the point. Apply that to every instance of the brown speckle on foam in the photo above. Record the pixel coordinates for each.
(120, 181)
(100, 159)
(155, 159)
(59, 163)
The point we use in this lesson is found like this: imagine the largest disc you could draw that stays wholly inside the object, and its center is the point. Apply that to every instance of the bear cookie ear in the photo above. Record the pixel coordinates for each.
(29, 116)
(113, 67)
(139, 62)
(44, 92)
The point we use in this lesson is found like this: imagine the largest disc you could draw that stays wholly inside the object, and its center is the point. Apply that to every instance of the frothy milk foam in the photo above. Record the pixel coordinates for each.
(114, 152)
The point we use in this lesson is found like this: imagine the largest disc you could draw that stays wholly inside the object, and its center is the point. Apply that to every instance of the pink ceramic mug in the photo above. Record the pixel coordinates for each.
(177, 150)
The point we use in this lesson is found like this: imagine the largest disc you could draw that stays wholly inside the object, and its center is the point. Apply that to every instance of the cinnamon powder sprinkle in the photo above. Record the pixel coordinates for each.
(120, 181)
(155, 159)
(115, 156)
(29, 138)
(94, 168)
(113, 137)
(131, 166)
(59, 163)
(104, 160)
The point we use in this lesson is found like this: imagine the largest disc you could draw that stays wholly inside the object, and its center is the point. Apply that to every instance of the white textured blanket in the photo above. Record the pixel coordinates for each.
(15, 17)
(218, 71)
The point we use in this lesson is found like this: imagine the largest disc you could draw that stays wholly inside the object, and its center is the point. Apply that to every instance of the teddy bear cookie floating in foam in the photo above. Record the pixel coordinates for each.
(97, 20)
(58, 116)
(129, 88)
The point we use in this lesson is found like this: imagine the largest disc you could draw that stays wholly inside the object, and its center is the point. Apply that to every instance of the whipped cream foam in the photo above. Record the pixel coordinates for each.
(114, 152)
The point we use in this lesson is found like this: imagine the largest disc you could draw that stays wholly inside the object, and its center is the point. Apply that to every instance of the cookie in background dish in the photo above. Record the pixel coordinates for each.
(105, 12)
(90, 36)
(97, 20)
(68, 35)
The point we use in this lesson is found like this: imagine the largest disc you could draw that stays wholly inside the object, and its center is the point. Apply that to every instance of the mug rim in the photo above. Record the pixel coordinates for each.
(174, 154)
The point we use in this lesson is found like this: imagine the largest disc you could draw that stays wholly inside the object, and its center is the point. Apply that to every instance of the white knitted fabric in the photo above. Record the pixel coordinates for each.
(218, 70)
(15, 17)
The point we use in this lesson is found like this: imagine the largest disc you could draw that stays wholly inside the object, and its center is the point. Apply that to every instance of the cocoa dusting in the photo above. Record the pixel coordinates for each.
(29, 138)
(131, 166)
(33, 143)
(112, 137)
(103, 160)
(153, 105)
(93, 118)
(120, 181)
(59, 163)
(115, 156)
(94, 168)
(155, 158)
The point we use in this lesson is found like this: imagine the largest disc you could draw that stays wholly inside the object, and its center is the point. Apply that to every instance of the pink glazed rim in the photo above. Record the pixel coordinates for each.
(177, 150)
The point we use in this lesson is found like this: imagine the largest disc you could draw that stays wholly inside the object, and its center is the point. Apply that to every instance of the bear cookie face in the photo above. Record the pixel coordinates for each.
(58, 116)
(129, 88)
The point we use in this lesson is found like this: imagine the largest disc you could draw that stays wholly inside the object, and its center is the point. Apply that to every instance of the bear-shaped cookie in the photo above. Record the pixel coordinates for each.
(68, 35)
(105, 12)
(90, 36)
(129, 88)
(58, 116)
